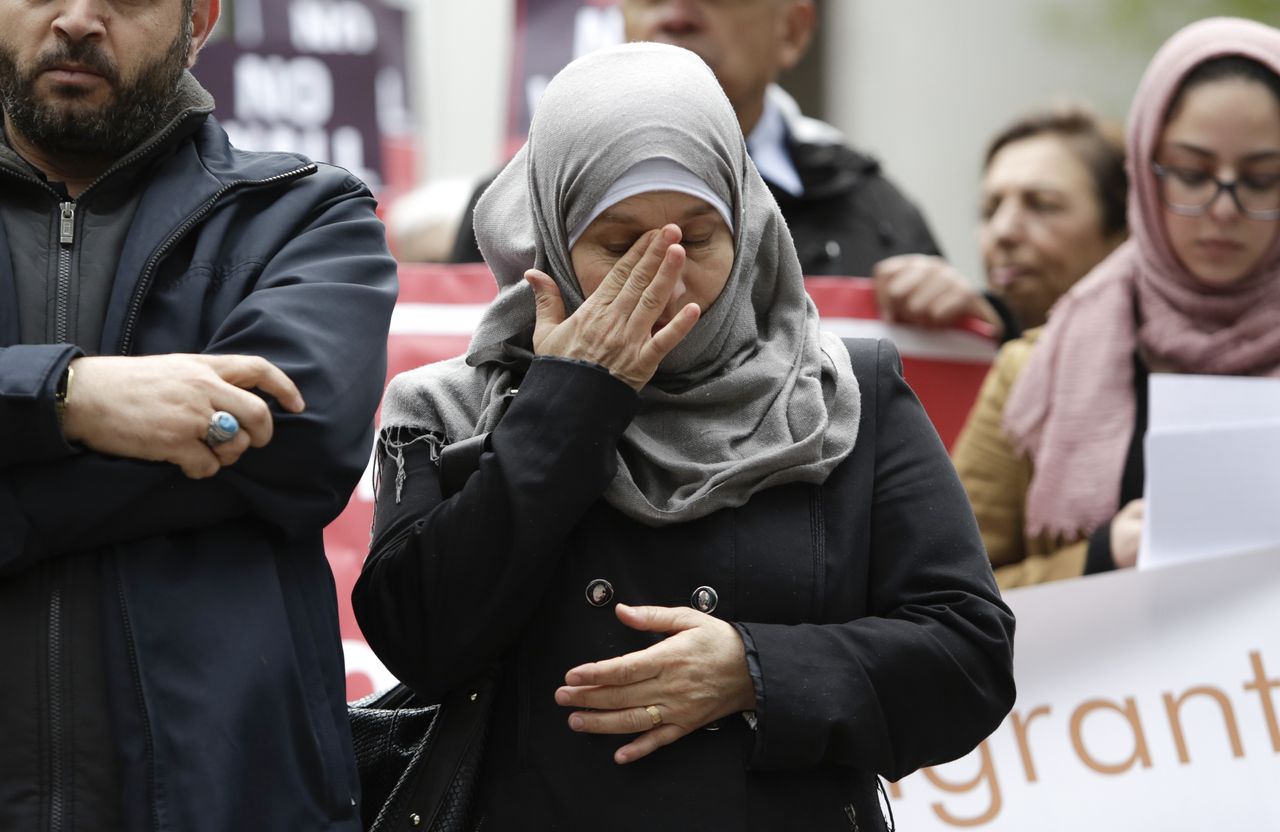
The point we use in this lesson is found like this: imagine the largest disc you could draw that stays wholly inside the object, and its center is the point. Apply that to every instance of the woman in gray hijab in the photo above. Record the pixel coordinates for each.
(696, 520)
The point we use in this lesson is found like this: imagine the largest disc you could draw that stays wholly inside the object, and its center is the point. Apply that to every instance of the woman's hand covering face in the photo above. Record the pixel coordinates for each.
(695, 676)
(615, 326)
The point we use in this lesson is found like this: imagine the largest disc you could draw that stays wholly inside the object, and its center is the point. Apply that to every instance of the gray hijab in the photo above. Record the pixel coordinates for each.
(754, 397)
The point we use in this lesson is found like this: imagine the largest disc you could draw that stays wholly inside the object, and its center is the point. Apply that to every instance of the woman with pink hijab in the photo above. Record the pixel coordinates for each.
(1052, 456)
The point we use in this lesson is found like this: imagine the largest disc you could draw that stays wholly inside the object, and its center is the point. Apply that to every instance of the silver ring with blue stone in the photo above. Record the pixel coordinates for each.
(223, 427)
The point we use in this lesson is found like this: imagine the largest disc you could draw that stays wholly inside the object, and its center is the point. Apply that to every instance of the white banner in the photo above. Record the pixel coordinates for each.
(1146, 700)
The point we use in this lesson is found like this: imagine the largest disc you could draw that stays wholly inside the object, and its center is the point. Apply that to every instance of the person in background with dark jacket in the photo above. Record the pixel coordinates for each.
(721, 557)
(843, 213)
(192, 346)
(1052, 207)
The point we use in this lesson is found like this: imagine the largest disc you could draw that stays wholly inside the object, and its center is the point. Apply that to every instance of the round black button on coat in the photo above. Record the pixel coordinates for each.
(599, 592)
(704, 599)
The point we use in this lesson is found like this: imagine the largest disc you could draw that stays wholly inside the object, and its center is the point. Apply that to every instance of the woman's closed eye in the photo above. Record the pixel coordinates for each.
(1196, 177)
(1261, 182)
(1034, 202)
(1040, 203)
(619, 247)
(1190, 176)
(701, 234)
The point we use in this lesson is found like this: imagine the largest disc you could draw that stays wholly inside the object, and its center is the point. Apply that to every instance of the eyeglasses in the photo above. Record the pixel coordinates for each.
(1190, 192)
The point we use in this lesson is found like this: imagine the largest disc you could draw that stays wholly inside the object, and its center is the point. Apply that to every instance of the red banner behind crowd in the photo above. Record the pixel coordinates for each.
(439, 307)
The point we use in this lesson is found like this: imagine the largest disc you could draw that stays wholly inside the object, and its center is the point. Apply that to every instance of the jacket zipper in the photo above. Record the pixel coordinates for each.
(58, 767)
(58, 787)
(57, 733)
(66, 239)
(148, 271)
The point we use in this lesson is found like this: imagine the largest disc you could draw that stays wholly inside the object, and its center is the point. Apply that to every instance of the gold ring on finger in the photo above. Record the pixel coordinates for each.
(654, 714)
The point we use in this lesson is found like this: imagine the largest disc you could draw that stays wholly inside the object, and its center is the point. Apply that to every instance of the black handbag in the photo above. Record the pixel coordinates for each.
(419, 762)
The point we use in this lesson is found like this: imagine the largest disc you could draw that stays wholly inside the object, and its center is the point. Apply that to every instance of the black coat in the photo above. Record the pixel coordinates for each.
(219, 634)
(867, 603)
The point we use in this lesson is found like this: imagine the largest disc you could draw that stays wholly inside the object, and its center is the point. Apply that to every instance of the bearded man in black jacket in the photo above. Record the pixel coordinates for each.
(192, 346)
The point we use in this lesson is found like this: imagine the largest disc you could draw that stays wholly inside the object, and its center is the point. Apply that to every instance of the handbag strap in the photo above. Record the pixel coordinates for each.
(437, 788)
(460, 460)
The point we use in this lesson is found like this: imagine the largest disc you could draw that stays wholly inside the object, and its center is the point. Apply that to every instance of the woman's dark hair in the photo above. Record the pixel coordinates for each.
(1099, 144)
(1228, 67)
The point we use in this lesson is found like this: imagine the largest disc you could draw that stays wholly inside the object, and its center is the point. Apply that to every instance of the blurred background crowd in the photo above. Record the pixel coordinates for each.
(920, 86)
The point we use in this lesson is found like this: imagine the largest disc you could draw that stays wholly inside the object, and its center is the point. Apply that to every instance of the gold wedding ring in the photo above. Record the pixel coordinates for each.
(654, 714)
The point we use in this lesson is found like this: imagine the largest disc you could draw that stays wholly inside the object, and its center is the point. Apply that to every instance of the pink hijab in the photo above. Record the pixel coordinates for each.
(1072, 407)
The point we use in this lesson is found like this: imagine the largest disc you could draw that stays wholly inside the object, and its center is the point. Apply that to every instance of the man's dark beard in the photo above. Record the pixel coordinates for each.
(133, 112)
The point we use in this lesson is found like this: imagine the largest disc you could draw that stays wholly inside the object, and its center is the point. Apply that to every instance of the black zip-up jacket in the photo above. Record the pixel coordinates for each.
(217, 650)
